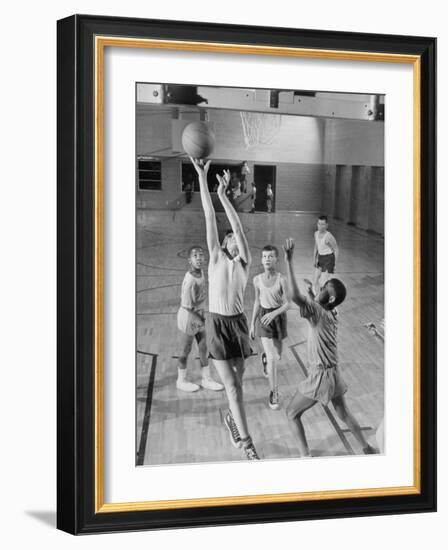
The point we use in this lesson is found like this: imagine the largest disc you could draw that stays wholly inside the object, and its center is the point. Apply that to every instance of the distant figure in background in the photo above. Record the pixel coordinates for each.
(188, 188)
(235, 186)
(326, 252)
(245, 171)
(269, 197)
(253, 197)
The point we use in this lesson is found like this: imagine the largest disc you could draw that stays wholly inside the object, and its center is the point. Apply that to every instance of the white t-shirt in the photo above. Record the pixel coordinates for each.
(227, 280)
(324, 243)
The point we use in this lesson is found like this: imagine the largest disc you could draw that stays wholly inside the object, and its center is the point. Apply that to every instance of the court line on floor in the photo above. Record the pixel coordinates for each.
(158, 287)
(159, 267)
(146, 418)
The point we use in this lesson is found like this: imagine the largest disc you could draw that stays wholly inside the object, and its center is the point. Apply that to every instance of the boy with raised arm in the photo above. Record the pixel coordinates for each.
(228, 333)
(324, 382)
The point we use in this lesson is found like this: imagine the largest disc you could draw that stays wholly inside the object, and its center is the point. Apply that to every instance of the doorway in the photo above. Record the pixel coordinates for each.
(263, 175)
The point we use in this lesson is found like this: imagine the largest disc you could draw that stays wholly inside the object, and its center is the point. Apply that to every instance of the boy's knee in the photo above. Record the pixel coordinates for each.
(186, 350)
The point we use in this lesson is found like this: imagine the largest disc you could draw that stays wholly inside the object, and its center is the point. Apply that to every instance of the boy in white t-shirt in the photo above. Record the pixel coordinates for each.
(227, 330)
(326, 252)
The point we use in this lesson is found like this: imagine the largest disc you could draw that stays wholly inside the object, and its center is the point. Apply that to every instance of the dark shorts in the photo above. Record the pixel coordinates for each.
(228, 337)
(276, 329)
(326, 262)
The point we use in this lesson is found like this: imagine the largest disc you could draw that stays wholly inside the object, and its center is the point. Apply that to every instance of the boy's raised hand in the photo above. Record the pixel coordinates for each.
(288, 249)
(224, 181)
(200, 167)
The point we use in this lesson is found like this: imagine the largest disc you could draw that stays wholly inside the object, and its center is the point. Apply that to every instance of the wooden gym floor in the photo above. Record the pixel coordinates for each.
(176, 427)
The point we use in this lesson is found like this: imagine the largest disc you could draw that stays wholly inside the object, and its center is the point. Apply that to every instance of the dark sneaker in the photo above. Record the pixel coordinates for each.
(251, 453)
(273, 400)
(234, 434)
(264, 364)
(369, 450)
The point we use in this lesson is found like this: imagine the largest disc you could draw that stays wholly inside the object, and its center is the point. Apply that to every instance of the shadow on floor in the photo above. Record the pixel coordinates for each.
(48, 517)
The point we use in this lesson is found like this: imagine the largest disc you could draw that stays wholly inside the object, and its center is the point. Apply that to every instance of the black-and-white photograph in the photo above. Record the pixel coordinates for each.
(259, 274)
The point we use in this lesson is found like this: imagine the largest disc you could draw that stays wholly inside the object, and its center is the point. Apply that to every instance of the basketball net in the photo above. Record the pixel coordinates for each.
(259, 128)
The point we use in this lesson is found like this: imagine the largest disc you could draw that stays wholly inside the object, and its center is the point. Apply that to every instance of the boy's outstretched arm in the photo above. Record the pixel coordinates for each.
(296, 296)
(232, 216)
(334, 246)
(207, 206)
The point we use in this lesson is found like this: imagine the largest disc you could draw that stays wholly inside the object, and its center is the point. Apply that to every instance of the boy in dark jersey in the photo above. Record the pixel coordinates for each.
(324, 382)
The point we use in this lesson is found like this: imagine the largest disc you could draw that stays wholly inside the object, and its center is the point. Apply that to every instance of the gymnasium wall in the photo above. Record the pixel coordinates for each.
(355, 195)
(354, 142)
(299, 187)
(153, 133)
(297, 139)
(353, 188)
(332, 166)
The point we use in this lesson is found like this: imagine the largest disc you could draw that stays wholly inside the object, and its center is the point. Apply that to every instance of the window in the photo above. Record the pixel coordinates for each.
(149, 174)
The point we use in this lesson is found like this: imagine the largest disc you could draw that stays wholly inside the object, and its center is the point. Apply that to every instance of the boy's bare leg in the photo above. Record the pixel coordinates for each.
(182, 382)
(202, 348)
(207, 380)
(272, 357)
(185, 347)
(296, 407)
(231, 374)
(340, 406)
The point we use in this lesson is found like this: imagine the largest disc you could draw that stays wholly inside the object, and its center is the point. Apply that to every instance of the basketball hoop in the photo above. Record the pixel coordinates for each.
(259, 128)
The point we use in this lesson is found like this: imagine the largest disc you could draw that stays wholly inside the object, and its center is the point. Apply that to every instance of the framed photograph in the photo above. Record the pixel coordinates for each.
(246, 274)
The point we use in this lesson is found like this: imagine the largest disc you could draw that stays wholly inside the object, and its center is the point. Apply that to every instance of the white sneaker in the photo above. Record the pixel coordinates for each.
(184, 385)
(210, 384)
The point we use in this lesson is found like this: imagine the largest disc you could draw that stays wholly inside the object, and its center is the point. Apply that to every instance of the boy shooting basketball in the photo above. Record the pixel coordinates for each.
(228, 331)
(324, 382)
(269, 317)
(191, 323)
(326, 252)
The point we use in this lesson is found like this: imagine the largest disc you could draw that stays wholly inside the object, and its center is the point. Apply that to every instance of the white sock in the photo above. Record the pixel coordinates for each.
(206, 372)
(182, 374)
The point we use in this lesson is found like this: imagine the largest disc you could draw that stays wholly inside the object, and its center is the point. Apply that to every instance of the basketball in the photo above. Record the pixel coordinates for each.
(198, 140)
